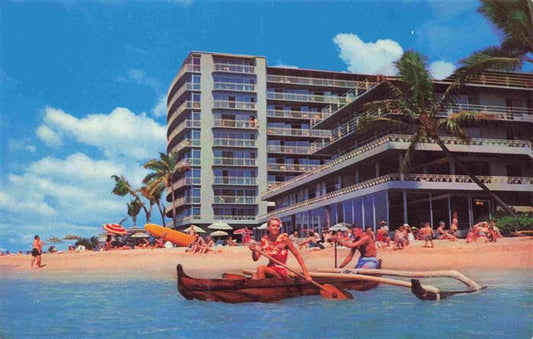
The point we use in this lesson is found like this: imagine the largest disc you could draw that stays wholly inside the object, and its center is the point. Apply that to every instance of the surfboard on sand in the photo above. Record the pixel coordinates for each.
(175, 237)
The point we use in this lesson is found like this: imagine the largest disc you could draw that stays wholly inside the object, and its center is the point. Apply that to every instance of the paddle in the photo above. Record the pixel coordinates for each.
(326, 291)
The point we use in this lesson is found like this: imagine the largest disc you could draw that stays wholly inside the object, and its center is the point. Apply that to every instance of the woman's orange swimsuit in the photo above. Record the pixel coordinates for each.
(277, 250)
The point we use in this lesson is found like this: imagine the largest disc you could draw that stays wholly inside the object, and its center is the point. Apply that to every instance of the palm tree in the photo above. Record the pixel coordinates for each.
(123, 188)
(154, 196)
(513, 19)
(134, 207)
(162, 177)
(412, 103)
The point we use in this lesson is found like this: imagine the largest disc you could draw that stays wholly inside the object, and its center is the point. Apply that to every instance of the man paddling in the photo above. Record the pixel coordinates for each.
(366, 246)
(276, 245)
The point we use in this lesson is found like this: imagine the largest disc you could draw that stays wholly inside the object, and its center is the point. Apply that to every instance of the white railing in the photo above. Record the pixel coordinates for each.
(229, 142)
(185, 69)
(234, 217)
(298, 132)
(231, 68)
(221, 161)
(185, 182)
(231, 199)
(272, 113)
(498, 112)
(435, 178)
(244, 181)
(328, 99)
(188, 86)
(289, 149)
(185, 144)
(516, 80)
(182, 108)
(232, 86)
(189, 123)
(186, 201)
(228, 123)
(405, 138)
(188, 162)
(234, 104)
(291, 167)
(315, 81)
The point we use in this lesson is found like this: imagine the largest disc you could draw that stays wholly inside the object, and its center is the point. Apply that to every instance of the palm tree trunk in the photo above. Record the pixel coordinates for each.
(174, 219)
(162, 211)
(474, 178)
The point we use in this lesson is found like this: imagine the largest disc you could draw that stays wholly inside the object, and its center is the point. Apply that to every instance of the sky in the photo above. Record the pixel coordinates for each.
(83, 84)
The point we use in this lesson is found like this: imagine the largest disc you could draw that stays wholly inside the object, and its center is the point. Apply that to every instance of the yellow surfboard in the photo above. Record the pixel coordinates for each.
(175, 237)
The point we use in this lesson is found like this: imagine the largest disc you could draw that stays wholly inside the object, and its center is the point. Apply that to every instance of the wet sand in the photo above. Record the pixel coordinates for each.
(507, 253)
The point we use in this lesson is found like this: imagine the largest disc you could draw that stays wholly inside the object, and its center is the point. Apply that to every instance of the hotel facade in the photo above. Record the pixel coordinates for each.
(258, 141)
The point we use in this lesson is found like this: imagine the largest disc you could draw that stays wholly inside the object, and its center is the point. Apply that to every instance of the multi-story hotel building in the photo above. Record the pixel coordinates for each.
(261, 141)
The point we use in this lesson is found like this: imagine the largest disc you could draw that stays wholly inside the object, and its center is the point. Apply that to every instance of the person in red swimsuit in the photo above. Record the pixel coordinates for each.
(277, 245)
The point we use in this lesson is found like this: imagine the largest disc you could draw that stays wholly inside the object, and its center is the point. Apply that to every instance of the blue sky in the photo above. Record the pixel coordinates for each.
(82, 84)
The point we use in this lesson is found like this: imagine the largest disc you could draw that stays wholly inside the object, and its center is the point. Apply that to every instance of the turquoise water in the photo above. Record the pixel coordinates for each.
(32, 307)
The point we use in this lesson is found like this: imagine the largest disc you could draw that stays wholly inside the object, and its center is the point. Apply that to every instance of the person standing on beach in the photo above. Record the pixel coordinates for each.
(276, 245)
(427, 233)
(366, 246)
(36, 252)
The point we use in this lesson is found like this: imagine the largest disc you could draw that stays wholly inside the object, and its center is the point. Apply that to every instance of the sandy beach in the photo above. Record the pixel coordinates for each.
(507, 253)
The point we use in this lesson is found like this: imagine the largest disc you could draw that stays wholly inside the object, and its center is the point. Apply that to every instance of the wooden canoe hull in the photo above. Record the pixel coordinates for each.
(263, 290)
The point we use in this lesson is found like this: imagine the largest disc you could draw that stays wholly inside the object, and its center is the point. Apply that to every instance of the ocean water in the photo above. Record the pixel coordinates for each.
(127, 307)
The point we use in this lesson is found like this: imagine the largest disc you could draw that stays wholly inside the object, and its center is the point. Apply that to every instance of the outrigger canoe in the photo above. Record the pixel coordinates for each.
(262, 290)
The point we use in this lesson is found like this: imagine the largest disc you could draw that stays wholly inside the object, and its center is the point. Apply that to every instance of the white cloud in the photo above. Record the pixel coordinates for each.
(120, 133)
(17, 145)
(280, 63)
(441, 69)
(49, 136)
(140, 77)
(160, 109)
(368, 57)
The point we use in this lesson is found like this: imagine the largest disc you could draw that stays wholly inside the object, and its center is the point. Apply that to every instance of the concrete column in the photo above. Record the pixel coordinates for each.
(404, 195)
(377, 169)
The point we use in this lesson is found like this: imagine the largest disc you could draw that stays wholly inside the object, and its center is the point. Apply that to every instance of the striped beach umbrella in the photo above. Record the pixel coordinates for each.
(115, 229)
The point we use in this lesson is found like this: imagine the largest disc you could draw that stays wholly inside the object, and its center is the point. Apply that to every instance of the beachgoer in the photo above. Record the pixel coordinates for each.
(410, 235)
(108, 242)
(443, 234)
(36, 252)
(427, 233)
(370, 233)
(294, 237)
(400, 239)
(454, 227)
(366, 246)
(277, 245)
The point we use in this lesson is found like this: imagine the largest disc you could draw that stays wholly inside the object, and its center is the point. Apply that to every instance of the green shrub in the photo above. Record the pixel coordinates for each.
(508, 224)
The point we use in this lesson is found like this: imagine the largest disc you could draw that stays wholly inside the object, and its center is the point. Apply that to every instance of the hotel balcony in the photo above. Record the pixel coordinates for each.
(500, 80)
(233, 200)
(285, 114)
(228, 104)
(182, 201)
(186, 87)
(227, 142)
(187, 68)
(185, 182)
(235, 181)
(312, 98)
(184, 125)
(188, 162)
(298, 132)
(230, 68)
(319, 82)
(187, 105)
(239, 124)
(187, 143)
(235, 217)
(291, 167)
(289, 149)
(233, 87)
(433, 182)
(402, 142)
(220, 161)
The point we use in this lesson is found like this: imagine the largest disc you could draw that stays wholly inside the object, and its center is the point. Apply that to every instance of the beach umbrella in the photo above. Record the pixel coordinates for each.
(54, 240)
(115, 229)
(242, 231)
(219, 233)
(134, 229)
(195, 228)
(219, 225)
(263, 227)
(140, 235)
(71, 237)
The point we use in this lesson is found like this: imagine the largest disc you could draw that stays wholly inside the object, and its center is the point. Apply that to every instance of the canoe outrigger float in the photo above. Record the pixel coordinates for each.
(235, 288)
(239, 289)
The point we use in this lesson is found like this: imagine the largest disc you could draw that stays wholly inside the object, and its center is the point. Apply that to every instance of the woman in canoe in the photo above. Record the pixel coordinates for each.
(276, 245)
